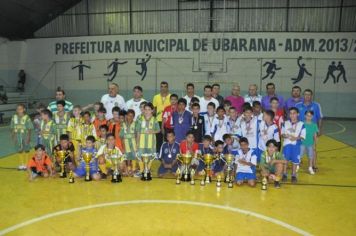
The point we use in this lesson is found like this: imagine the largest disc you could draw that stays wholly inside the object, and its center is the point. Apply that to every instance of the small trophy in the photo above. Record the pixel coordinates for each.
(229, 158)
(87, 157)
(178, 176)
(71, 177)
(218, 182)
(230, 183)
(202, 182)
(62, 156)
(192, 173)
(264, 183)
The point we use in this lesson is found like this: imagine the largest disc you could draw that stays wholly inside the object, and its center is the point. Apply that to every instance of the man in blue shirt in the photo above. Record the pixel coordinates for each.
(309, 105)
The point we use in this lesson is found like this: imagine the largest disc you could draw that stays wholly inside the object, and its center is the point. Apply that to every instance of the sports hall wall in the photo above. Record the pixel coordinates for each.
(182, 58)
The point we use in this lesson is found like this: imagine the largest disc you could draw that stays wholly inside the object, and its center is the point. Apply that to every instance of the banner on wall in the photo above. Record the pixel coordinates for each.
(236, 45)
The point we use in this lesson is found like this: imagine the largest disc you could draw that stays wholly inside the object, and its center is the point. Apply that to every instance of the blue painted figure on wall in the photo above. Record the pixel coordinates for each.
(301, 72)
(115, 67)
(143, 63)
(81, 67)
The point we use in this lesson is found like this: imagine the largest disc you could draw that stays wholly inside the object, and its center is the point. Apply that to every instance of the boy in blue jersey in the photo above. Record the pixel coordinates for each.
(168, 155)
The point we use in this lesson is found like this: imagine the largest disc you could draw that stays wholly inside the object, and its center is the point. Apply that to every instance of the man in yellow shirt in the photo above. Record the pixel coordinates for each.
(161, 101)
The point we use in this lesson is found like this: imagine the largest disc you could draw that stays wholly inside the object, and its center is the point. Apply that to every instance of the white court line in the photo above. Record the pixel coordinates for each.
(342, 130)
(227, 208)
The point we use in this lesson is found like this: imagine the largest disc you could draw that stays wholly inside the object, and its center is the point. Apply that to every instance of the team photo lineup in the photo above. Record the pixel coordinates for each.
(238, 139)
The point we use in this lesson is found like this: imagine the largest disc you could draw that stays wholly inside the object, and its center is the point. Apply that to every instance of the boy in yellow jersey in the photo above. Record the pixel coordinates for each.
(21, 127)
(48, 131)
(86, 128)
(61, 118)
(128, 137)
(73, 129)
(104, 161)
(102, 138)
(147, 127)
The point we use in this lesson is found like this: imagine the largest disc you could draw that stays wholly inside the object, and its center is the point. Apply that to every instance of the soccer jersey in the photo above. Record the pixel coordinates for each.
(266, 159)
(105, 151)
(128, 137)
(80, 170)
(114, 128)
(249, 130)
(68, 150)
(147, 141)
(111, 102)
(97, 123)
(220, 127)
(21, 126)
(39, 165)
(311, 129)
(209, 122)
(74, 128)
(167, 116)
(168, 152)
(53, 106)
(279, 119)
(61, 124)
(187, 148)
(267, 132)
(85, 131)
(251, 99)
(198, 128)
(295, 129)
(160, 103)
(234, 126)
(249, 156)
(204, 104)
(313, 106)
(181, 124)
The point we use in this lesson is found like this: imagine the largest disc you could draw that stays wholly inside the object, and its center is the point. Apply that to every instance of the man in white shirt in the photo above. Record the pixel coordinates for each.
(204, 101)
(252, 94)
(135, 102)
(189, 93)
(113, 99)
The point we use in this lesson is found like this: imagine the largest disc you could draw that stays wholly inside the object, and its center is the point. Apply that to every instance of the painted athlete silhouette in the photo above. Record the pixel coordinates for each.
(271, 69)
(143, 64)
(81, 67)
(332, 67)
(301, 72)
(340, 67)
(114, 70)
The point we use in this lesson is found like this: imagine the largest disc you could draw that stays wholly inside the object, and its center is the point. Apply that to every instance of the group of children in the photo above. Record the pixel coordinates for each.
(259, 140)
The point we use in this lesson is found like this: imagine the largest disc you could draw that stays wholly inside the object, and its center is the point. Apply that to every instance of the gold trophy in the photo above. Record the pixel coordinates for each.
(87, 157)
(62, 155)
(116, 159)
(178, 176)
(71, 177)
(264, 183)
(147, 159)
(229, 159)
(208, 159)
(186, 159)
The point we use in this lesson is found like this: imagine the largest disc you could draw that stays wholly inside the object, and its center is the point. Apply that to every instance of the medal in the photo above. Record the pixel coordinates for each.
(195, 127)
(169, 155)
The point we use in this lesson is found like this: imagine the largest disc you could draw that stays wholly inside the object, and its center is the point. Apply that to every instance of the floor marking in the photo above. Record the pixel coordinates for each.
(342, 130)
(120, 203)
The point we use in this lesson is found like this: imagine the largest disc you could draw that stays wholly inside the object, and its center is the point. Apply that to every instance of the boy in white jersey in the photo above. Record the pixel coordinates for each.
(221, 124)
(249, 128)
(234, 121)
(293, 132)
(245, 161)
(267, 130)
(209, 118)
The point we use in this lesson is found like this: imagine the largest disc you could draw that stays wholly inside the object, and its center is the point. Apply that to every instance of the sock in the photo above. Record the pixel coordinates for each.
(140, 163)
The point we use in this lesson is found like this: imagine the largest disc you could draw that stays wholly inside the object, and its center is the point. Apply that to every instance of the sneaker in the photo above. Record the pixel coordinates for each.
(311, 171)
(19, 167)
(284, 178)
(294, 179)
(24, 167)
(277, 184)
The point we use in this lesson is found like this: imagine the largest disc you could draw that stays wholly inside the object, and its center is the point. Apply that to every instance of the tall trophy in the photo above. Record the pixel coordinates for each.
(147, 159)
(229, 159)
(116, 159)
(187, 175)
(71, 177)
(208, 159)
(62, 155)
(87, 157)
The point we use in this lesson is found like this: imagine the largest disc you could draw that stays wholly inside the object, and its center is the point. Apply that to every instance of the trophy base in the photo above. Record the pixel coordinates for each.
(218, 184)
(202, 182)
(147, 177)
(208, 179)
(230, 185)
(186, 178)
(116, 179)
(177, 181)
(88, 179)
(264, 187)
(192, 182)
(71, 181)
(63, 175)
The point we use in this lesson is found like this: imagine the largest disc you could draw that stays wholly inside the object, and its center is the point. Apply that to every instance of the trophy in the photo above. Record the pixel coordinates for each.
(264, 183)
(218, 182)
(71, 177)
(116, 159)
(229, 159)
(147, 160)
(208, 160)
(186, 159)
(62, 156)
(178, 176)
(87, 157)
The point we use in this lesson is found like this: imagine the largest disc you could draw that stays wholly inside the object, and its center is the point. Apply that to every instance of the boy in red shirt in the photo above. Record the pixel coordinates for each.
(100, 120)
(278, 113)
(40, 164)
(167, 114)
